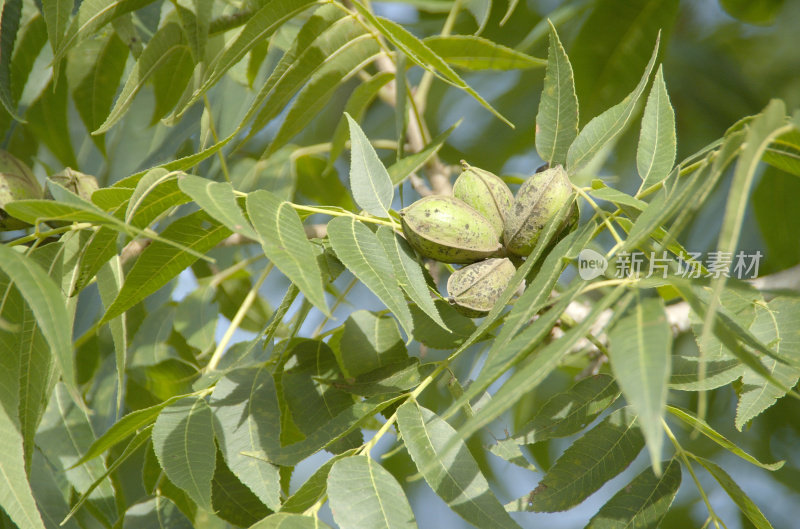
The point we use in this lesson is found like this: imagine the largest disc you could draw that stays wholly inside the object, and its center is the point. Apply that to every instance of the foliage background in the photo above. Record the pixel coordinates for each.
(718, 69)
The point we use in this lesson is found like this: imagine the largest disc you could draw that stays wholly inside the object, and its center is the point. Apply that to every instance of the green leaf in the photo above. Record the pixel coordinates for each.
(94, 95)
(760, 133)
(171, 78)
(409, 272)
(309, 396)
(369, 182)
(745, 504)
(369, 342)
(452, 474)
(259, 28)
(183, 439)
(477, 53)
(195, 17)
(612, 46)
(568, 413)
(155, 193)
(393, 378)
(16, 498)
(124, 428)
(430, 333)
(64, 434)
(557, 118)
(93, 15)
(326, 35)
(167, 41)
(364, 494)
(284, 242)
(28, 47)
(602, 453)
(245, 407)
(109, 281)
(606, 127)
(322, 86)
(282, 520)
(137, 442)
(703, 427)
(778, 325)
(642, 503)
(327, 433)
(361, 98)
(56, 15)
(784, 152)
(640, 346)
(314, 487)
(359, 249)
(422, 55)
(160, 262)
(232, 500)
(9, 26)
(219, 201)
(534, 372)
(402, 168)
(44, 298)
(655, 155)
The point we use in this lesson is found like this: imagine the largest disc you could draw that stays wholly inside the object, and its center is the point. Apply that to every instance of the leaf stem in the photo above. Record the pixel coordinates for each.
(682, 454)
(603, 214)
(237, 320)
(36, 235)
(335, 305)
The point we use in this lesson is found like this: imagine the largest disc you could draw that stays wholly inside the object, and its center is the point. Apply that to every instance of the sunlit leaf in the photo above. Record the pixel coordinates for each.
(557, 118)
(369, 182)
(9, 27)
(640, 345)
(285, 244)
(160, 262)
(745, 504)
(360, 251)
(606, 127)
(282, 520)
(453, 474)
(656, 152)
(364, 494)
(219, 201)
(703, 427)
(409, 272)
(477, 53)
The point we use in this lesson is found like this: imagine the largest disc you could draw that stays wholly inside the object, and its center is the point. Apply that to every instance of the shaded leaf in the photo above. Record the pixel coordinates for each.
(166, 43)
(282, 520)
(452, 474)
(314, 487)
(567, 413)
(602, 453)
(364, 494)
(402, 168)
(432, 334)
(245, 406)
(557, 118)
(762, 12)
(784, 152)
(183, 439)
(159, 512)
(232, 500)
(44, 298)
(9, 27)
(368, 342)
(642, 503)
(109, 281)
